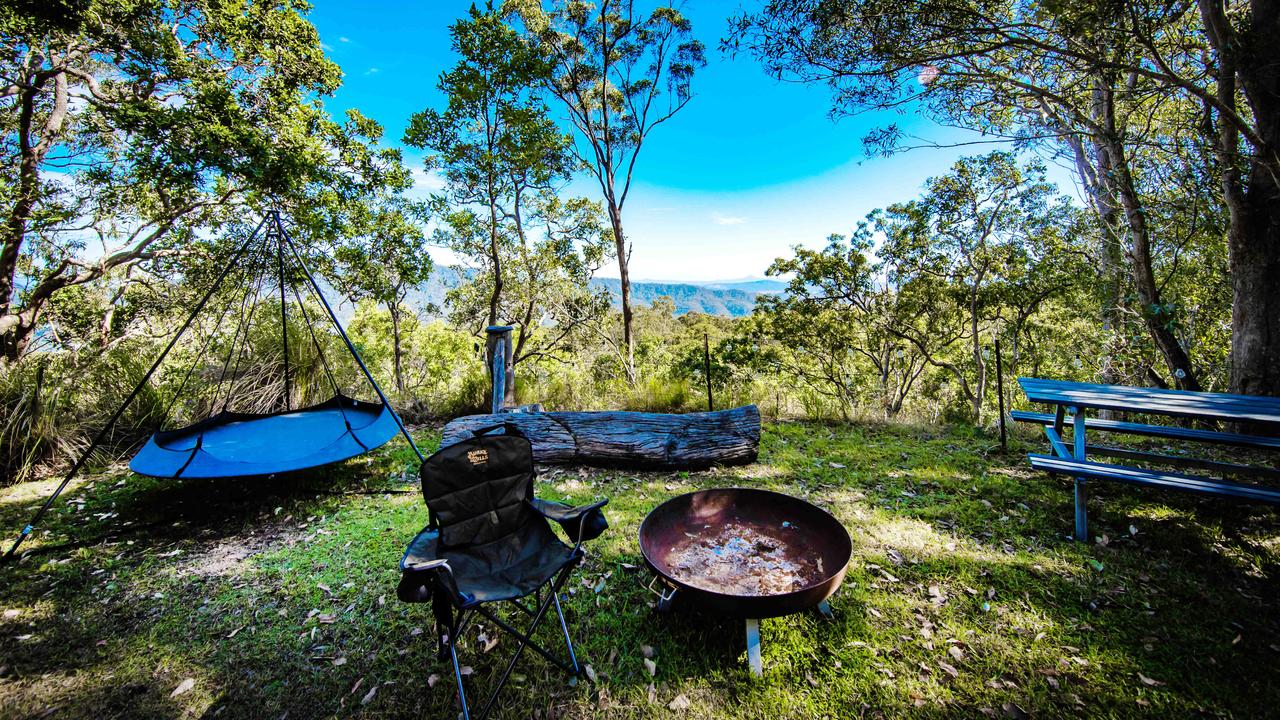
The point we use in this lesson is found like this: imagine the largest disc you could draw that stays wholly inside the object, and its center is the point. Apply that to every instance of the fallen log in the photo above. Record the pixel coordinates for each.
(629, 439)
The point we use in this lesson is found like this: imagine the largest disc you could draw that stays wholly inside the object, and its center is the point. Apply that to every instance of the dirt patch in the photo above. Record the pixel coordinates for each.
(228, 555)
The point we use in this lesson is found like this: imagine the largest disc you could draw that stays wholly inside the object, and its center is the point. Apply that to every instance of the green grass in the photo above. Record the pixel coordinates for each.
(964, 597)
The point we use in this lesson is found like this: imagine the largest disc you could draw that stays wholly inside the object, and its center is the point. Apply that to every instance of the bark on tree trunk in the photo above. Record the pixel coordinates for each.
(397, 356)
(624, 277)
(1254, 246)
(1246, 63)
(630, 439)
(1121, 184)
(496, 298)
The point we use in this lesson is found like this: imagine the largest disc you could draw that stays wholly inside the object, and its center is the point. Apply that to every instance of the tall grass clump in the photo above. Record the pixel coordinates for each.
(35, 425)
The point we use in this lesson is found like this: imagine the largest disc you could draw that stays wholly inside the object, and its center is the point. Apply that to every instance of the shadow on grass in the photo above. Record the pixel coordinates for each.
(961, 562)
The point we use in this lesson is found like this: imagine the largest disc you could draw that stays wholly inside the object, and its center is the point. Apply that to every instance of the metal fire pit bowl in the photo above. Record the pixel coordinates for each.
(804, 529)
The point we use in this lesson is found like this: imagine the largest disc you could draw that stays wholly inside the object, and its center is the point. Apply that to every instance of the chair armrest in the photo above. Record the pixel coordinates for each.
(423, 574)
(585, 522)
(420, 581)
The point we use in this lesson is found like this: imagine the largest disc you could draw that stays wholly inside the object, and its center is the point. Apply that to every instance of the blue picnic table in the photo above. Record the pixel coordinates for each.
(1076, 399)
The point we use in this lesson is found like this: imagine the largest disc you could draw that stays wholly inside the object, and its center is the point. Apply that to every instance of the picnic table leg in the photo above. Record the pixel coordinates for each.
(1081, 489)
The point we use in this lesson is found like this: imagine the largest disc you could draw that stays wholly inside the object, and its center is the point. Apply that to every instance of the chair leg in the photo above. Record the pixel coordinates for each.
(457, 676)
(564, 627)
(525, 641)
(532, 645)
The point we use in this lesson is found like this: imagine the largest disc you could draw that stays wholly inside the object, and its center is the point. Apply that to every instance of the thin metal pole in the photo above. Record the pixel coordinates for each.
(284, 320)
(350, 346)
(102, 434)
(1004, 445)
(499, 376)
(706, 370)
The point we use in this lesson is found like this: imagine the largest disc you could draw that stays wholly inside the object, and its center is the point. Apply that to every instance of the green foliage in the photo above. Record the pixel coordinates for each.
(531, 253)
(1129, 95)
(908, 309)
(140, 124)
(611, 67)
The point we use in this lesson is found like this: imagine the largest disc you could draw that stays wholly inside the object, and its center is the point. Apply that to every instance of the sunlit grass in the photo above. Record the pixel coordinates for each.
(964, 597)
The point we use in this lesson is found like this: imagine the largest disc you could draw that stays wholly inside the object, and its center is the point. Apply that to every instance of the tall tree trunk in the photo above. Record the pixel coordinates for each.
(1254, 246)
(397, 354)
(624, 276)
(980, 389)
(496, 297)
(1246, 62)
(1120, 185)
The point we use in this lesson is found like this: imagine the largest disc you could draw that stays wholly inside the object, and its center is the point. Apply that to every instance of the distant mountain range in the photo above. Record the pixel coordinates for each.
(729, 298)
(713, 299)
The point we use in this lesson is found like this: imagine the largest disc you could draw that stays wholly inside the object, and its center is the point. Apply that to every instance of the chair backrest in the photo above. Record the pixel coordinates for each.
(479, 490)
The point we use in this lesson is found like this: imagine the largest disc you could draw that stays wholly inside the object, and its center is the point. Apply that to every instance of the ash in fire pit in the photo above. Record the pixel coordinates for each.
(742, 559)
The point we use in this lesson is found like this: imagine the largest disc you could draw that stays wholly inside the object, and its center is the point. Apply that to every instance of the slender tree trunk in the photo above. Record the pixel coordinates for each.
(980, 387)
(1120, 184)
(624, 277)
(495, 298)
(396, 352)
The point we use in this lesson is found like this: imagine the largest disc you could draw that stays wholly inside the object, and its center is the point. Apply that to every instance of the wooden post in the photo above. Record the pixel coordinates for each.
(706, 370)
(1004, 445)
(498, 356)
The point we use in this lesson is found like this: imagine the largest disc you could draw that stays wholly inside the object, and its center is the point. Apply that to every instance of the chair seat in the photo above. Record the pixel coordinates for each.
(487, 573)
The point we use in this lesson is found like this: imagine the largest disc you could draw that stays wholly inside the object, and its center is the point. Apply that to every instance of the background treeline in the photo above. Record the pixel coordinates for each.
(142, 142)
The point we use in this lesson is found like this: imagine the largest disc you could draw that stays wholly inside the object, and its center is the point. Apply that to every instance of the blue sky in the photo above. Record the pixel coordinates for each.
(748, 169)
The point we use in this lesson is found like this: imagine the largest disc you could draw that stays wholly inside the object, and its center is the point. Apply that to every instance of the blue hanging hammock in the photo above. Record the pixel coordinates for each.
(236, 444)
(232, 444)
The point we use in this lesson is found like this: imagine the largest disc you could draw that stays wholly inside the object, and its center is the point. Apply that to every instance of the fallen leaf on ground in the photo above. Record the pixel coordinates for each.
(1012, 710)
(1149, 681)
(183, 687)
(651, 666)
(646, 650)
(432, 679)
(368, 697)
(680, 702)
(590, 672)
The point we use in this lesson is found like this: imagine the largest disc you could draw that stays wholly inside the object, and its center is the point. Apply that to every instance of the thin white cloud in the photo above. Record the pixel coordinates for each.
(728, 219)
(371, 71)
(425, 182)
(344, 39)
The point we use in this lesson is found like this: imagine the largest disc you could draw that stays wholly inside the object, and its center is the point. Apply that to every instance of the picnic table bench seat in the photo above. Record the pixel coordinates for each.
(1161, 431)
(1155, 478)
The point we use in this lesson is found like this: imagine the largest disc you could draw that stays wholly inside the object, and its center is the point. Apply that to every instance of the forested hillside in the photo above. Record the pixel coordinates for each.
(137, 164)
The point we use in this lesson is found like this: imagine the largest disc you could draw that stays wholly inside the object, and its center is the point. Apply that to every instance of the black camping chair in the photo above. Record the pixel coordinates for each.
(488, 540)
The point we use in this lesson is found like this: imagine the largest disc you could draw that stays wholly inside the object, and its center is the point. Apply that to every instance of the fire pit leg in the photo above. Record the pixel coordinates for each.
(753, 647)
(824, 608)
